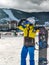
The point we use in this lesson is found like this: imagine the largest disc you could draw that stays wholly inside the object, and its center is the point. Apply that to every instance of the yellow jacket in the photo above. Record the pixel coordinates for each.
(32, 33)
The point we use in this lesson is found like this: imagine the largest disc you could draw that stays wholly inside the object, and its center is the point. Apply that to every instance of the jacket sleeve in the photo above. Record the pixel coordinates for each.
(21, 27)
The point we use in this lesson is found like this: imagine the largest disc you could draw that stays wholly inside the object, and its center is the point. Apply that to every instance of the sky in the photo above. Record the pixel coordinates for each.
(26, 5)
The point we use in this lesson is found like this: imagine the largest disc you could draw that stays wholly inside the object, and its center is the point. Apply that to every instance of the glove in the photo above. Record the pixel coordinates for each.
(21, 22)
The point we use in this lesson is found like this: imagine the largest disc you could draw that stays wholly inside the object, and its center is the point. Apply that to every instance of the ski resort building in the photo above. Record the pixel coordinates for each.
(8, 25)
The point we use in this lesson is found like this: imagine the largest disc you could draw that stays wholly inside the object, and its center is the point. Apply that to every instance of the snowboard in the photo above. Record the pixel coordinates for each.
(43, 44)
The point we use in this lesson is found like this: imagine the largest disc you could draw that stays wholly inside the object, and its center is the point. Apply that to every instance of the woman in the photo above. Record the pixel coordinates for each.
(29, 42)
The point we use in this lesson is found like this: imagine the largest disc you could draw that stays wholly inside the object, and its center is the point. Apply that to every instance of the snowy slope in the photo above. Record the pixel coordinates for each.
(10, 14)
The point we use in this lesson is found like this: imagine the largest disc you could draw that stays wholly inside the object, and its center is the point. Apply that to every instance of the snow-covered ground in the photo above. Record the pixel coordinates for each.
(10, 51)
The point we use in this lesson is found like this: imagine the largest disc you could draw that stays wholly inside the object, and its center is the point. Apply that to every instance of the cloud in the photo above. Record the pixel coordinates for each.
(37, 1)
(8, 3)
(45, 5)
(26, 5)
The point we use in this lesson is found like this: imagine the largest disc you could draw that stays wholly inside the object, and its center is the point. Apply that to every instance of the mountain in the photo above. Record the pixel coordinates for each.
(41, 16)
(13, 14)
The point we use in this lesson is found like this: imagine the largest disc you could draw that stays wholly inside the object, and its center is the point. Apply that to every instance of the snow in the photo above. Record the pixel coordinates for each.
(10, 51)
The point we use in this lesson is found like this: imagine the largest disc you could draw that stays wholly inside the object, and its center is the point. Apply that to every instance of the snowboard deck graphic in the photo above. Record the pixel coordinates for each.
(43, 36)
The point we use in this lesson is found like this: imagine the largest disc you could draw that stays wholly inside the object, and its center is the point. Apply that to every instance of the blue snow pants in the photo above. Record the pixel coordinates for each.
(24, 52)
